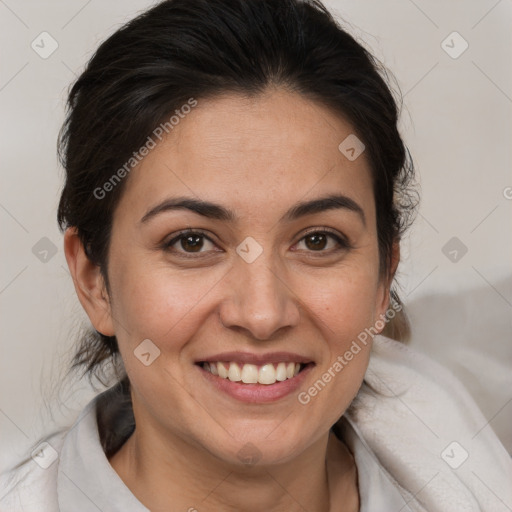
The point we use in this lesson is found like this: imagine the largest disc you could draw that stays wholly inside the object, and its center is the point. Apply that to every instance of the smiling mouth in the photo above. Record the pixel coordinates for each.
(266, 374)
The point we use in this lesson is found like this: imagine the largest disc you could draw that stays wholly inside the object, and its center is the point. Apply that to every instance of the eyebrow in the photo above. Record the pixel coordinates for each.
(218, 212)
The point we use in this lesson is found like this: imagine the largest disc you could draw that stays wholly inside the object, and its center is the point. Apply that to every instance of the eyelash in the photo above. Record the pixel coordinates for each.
(343, 243)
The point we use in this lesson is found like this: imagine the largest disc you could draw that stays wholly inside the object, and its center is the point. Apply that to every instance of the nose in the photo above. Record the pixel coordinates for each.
(258, 299)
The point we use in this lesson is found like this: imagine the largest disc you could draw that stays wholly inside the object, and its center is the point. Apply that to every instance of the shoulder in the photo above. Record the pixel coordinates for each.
(69, 470)
(31, 486)
(428, 432)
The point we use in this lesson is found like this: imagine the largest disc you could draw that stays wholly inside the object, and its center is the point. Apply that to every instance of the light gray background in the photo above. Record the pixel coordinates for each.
(456, 122)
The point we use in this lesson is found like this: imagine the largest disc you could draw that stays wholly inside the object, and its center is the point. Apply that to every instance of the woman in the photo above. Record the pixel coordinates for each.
(236, 189)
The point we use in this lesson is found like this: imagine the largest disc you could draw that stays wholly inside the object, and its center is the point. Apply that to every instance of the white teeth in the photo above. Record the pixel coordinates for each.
(222, 371)
(267, 374)
(281, 372)
(251, 374)
(234, 373)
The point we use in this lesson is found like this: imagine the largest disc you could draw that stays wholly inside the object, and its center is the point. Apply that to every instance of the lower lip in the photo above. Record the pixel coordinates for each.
(256, 393)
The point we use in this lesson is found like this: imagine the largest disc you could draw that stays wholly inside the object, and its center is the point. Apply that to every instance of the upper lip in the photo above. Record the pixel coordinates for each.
(257, 359)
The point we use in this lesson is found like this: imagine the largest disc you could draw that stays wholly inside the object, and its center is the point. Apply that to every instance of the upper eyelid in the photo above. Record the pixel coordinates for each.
(185, 232)
(327, 230)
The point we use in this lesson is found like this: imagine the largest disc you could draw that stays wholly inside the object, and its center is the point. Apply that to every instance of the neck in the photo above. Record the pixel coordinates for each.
(171, 471)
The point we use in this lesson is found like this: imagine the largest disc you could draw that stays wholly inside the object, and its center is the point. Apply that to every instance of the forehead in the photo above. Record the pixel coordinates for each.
(259, 152)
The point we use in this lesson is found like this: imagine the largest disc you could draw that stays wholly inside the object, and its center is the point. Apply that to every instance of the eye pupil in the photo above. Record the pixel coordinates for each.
(318, 241)
(195, 246)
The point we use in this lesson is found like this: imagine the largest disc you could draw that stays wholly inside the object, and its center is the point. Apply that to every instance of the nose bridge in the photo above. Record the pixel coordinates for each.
(260, 301)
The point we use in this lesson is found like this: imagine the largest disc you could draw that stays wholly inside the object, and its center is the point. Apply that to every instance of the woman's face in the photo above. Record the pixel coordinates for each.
(259, 288)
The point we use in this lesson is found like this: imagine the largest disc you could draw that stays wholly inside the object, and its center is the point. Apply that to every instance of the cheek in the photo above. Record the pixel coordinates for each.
(344, 312)
(167, 307)
(344, 307)
(152, 302)
(344, 302)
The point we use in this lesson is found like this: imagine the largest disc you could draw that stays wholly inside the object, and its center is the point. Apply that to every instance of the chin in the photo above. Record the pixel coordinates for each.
(264, 446)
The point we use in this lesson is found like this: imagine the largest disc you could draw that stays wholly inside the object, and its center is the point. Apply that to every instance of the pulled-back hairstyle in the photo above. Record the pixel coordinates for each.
(182, 49)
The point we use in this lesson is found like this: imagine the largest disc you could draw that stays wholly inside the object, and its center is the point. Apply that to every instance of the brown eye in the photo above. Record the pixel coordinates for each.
(316, 241)
(319, 241)
(192, 243)
(188, 242)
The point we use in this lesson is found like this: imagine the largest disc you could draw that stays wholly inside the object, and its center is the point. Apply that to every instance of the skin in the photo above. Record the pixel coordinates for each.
(258, 157)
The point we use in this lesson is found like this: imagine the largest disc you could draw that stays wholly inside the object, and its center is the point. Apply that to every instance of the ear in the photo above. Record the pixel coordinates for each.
(383, 295)
(89, 284)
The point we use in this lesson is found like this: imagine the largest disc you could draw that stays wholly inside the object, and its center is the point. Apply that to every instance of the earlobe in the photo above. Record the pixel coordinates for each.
(89, 284)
